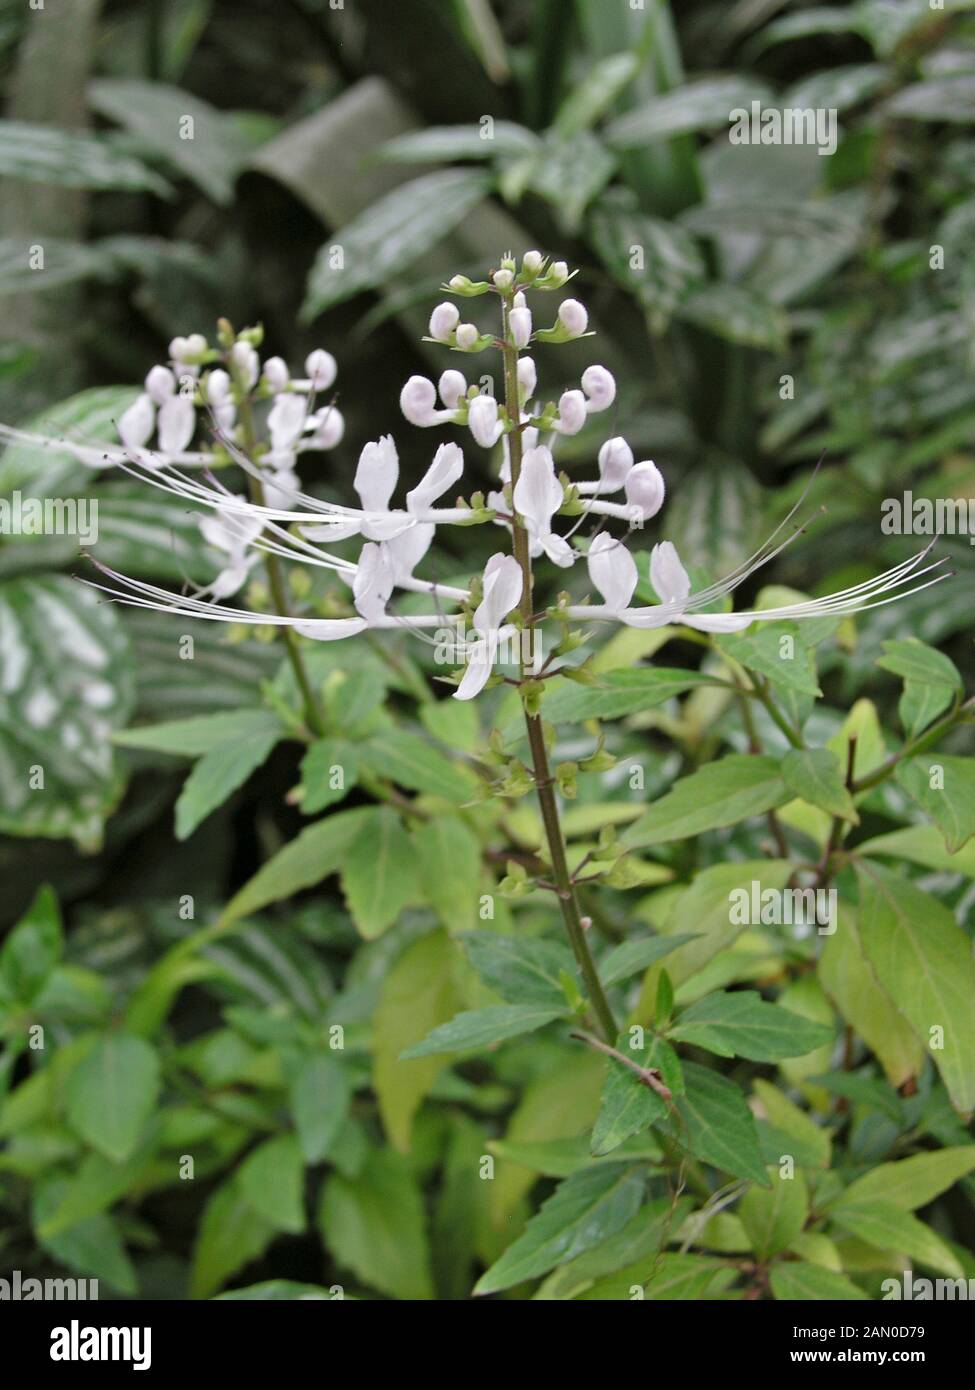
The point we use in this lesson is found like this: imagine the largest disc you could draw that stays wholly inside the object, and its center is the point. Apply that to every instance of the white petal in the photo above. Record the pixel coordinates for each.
(321, 368)
(373, 583)
(444, 471)
(521, 326)
(286, 420)
(717, 622)
(452, 387)
(330, 629)
(160, 384)
(482, 419)
(418, 400)
(667, 575)
(328, 427)
(136, 424)
(600, 387)
(377, 472)
(503, 583)
(476, 672)
(177, 421)
(527, 377)
(645, 490)
(572, 412)
(538, 493)
(443, 321)
(615, 463)
(405, 551)
(613, 571)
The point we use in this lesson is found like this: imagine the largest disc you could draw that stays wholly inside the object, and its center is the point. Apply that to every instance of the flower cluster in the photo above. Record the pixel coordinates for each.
(276, 518)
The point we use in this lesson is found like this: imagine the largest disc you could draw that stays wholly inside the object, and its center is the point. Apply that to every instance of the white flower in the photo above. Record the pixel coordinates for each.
(444, 471)
(443, 321)
(466, 336)
(321, 368)
(600, 388)
(160, 384)
(503, 279)
(645, 489)
(537, 496)
(418, 400)
(572, 413)
(502, 589)
(527, 377)
(615, 462)
(325, 428)
(231, 532)
(452, 387)
(613, 571)
(176, 424)
(532, 262)
(573, 317)
(286, 423)
(276, 373)
(137, 423)
(520, 322)
(482, 419)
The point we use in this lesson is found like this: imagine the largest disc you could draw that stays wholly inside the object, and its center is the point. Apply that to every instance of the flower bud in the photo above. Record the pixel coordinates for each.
(452, 387)
(217, 386)
(160, 384)
(178, 349)
(467, 336)
(443, 321)
(248, 364)
(417, 400)
(329, 427)
(321, 368)
(600, 386)
(276, 373)
(503, 280)
(532, 262)
(573, 317)
(520, 322)
(645, 489)
(615, 462)
(196, 344)
(177, 421)
(558, 273)
(572, 412)
(527, 377)
(482, 417)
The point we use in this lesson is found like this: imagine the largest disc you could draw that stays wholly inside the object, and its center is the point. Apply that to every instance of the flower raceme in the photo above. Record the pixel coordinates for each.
(211, 392)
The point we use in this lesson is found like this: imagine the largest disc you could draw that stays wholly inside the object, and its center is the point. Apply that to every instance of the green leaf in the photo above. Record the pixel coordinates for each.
(915, 660)
(701, 105)
(468, 1032)
(373, 1224)
(217, 775)
(406, 758)
(66, 684)
(732, 789)
(44, 470)
(736, 314)
(93, 1247)
(449, 864)
(279, 1290)
(913, 1182)
(788, 1119)
(888, 1227)
(923, 960)
(329, 771)
(618, 693)
(789, 664)
(585, 1208)
(718, 1125)
(949, 98)
(318, 851)
(111, 1094)
(209, 151)
(231, 1234)
(628, 1106)
(32, 949)
(522, 969)
(384, 239)
(438, 144)
(814, 774)
(631, 957)
(417, 995)
(921, 844)
(272, 1181)
(944, 787)
(852, 985)
(192, 738)
(319, 1093)
(797, 1281)
(72, 159)
(379, 876)
(775, 1217)
(742, 1024)
(596, 92)
(671, 263)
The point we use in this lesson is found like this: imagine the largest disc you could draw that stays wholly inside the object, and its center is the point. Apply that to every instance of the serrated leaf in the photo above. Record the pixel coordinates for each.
(914, 660)
(329, 771)
(192, 738)
(814, 774)
(319, 1093)
(627, 1106)
(448, 857)
(373, 1225)
(732, 789)
(417, 995)
(718, 1126)
(913, 1182)
(775, 1217)
(586, 1208)
(742, 1024)
(93, 1247)
(411, 761)
(923, 961)
(315, 854)
(888, 1227)
(379, 875)
(468, 1032)
(788, 1119)
(761, 650)
(231, 1234)
(272, 1181)
(523, 970)
(111, 1093)
(943, 785)
(217, 775)
(631, 957)
(618, 693)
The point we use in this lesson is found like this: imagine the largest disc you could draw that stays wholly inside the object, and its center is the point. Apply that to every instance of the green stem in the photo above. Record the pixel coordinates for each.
(544, 785)
(314, 716)
(910, 750)
(775, 714)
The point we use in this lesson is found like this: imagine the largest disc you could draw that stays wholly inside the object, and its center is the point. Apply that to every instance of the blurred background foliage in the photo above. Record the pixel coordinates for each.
(786, 306)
